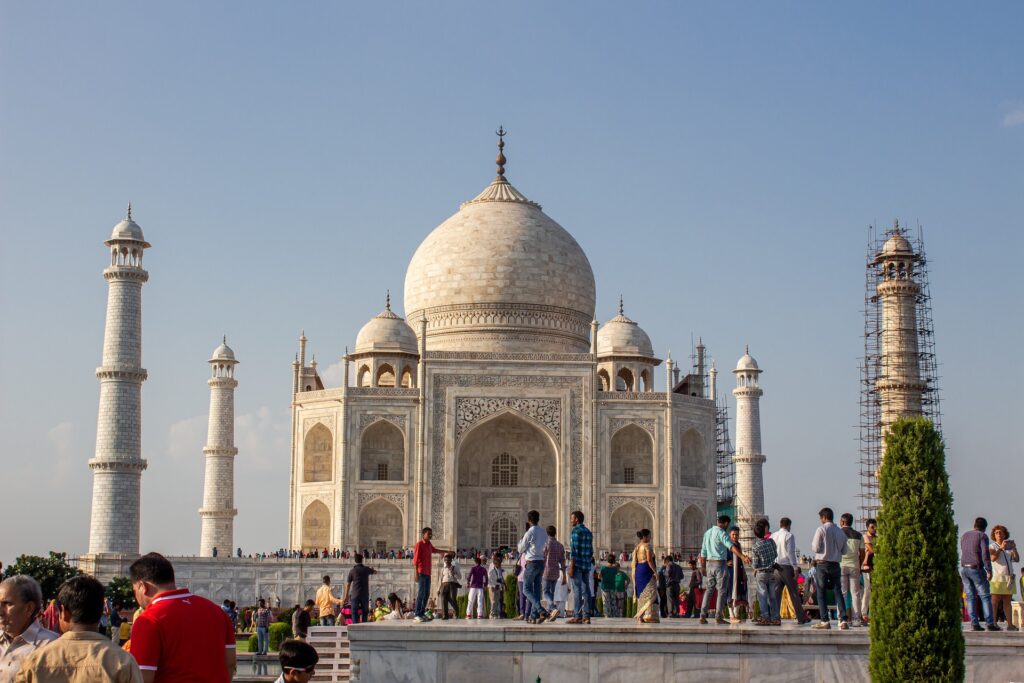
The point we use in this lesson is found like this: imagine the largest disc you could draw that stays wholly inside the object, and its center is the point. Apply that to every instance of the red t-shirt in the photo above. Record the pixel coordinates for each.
(183, 637)
(423, 556)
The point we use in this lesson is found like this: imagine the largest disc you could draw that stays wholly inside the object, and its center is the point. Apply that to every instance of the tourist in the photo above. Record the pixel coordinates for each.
(532, 546)
(302, 617)
(850, 566)
(298, 662)
(736, 587)
(622, 580)
(662, 599)
(477, 582)
(357, 590)
(496, 582)
(451, 582)
(262, 617)
(326, 602)
(764, 554)
(787, 566)
(423, 561)
(82, 654)
(608, 574)
(673, 577)
(1003, 553)
(522, 604)
(380, 609)
(691, 605)
(554, 570)
(581, 562)
(644, 580)
(178, 636)
(976, 572)
(562, 595)
(714, 550)
(870, 537)
(21, 601)
(828, 546)
(395, 610)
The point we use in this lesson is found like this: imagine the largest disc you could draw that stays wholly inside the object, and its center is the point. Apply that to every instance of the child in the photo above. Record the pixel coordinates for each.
(298, 662)
(561, 596)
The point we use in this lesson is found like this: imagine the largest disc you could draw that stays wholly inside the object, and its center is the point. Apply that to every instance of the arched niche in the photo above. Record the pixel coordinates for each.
(363, 377)
(318, 454)
(316, 526)
(380, 526)
(382, 453)
(385, 376)
(407, 380)
(632, 456)
(693, 462)
(507, 466)
(624, 380)
(625, 522)
(604, 382)
(693, 530)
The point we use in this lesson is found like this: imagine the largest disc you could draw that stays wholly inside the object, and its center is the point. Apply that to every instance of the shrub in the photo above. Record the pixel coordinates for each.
(254, 643)
(285, 617)
(511, 596)
(278, 634)
(916, 630)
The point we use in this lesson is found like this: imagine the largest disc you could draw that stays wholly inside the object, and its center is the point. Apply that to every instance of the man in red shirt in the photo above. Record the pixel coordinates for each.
(179, 637)
(423, 560)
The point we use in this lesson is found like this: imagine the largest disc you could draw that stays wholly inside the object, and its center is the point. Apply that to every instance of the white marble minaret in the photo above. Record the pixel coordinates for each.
(748, 457)
(218, 511)
(117, 466)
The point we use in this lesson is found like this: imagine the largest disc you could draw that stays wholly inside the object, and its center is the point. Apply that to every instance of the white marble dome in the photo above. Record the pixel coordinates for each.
(223, 352)
(502, 276)
(747, 363)
(127, 231)
(621, 336)
(897, 245)
(386, 333)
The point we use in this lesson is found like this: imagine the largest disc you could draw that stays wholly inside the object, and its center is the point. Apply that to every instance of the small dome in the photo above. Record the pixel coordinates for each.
(747, 363)
(127, 231)
(897, 245)
(621, 336)
(223, 352)
(386, 333)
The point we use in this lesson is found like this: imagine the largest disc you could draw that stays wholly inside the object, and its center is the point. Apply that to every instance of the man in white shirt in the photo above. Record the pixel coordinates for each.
(532, 547)
(828, 546)
(786, 564)
(21, 600)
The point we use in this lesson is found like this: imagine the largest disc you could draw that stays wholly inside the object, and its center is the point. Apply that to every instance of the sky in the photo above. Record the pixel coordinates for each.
(720, 164)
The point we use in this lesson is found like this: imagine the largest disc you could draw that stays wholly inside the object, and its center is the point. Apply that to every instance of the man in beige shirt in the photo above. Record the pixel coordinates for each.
(81, 654)
(325, 602)
(21, 600)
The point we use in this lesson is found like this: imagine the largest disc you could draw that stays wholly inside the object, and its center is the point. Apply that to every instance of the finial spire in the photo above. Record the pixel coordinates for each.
(896, 226)
(387, 301)
(129, 210)
(500, 160)
(621, 307)
(224, 339)
(746, 349)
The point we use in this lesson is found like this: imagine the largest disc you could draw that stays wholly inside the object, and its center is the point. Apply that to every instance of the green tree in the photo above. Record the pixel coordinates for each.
(49, 571)
(916, 631)
(120, 592)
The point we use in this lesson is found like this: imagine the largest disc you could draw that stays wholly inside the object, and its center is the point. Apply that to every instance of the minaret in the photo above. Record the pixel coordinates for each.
(117, 465)
(748, 457)
(218, 511)
(900, 386)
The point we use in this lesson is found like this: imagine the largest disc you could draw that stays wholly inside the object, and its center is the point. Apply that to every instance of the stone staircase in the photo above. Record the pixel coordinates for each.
(331, 643)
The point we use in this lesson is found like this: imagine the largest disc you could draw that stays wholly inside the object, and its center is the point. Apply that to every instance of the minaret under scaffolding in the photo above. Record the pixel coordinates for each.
(899, 377)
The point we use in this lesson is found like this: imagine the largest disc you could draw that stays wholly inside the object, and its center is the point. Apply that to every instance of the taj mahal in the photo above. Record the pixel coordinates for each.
(498, 392)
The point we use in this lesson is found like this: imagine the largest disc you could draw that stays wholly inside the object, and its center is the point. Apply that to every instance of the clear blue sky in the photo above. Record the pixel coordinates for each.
(718, 163)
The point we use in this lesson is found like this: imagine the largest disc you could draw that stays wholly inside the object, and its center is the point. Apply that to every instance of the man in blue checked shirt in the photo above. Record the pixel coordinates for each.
(581, 566)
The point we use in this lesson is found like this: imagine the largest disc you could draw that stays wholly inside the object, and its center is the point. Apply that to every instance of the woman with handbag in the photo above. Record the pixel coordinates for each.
(1004, 553)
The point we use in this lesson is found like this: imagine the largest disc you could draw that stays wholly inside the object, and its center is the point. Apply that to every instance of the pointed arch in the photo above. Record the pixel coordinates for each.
(693, 460)
(316, 526)
(363, 376)
(604, 381)
(645, 381)
(380, 526)
(624, 380)
(318, 454)
(692, 526)
(382, 452)
(407, 379)
(385, 376)
(632, 457)
(626, 520)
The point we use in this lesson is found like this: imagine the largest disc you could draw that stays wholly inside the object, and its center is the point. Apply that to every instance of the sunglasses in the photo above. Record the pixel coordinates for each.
(301, 670)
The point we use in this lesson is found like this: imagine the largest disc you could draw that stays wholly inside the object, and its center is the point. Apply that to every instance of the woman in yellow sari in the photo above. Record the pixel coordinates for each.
(645, 581)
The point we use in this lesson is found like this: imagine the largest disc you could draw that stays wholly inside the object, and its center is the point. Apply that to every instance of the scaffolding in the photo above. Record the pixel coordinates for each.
(873, 366)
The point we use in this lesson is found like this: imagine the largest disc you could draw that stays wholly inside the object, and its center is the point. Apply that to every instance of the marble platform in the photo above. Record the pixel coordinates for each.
(622, 651)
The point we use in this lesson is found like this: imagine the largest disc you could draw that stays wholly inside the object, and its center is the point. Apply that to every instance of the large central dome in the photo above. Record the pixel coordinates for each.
(501, 276)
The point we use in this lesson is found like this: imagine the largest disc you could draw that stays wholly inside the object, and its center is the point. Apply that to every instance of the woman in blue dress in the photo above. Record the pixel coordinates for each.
(645, 582)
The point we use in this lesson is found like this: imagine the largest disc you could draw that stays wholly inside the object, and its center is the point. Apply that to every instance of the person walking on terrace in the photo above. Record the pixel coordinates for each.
(714, 551)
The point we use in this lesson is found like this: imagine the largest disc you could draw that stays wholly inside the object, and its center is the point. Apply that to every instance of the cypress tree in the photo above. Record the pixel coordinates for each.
(916, 629)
